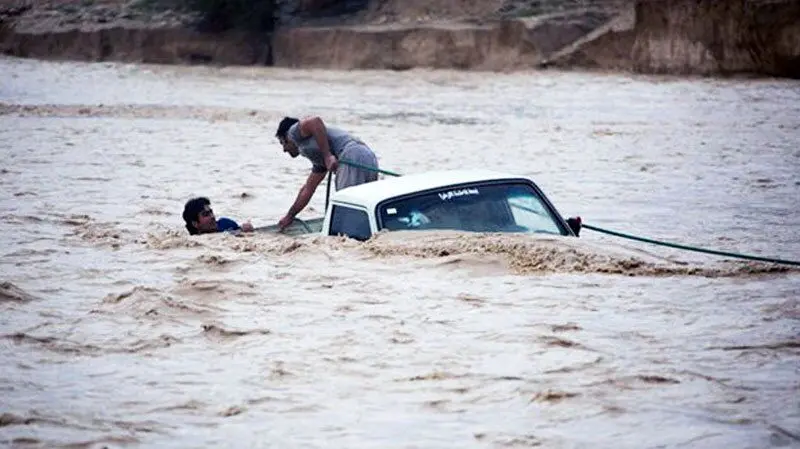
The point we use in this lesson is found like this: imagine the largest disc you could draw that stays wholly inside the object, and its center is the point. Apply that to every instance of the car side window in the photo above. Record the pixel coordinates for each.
(353, 223)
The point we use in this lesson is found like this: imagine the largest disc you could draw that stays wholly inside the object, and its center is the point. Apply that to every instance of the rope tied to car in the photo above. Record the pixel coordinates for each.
(606, 231)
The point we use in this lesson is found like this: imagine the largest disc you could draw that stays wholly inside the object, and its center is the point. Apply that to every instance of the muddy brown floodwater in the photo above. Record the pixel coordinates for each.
(120, 330)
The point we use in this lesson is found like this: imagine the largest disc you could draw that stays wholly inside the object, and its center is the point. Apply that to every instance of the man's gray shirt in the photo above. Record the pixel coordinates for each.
(338, 139)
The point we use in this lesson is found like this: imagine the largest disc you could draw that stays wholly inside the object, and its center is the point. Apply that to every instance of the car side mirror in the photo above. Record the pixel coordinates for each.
(575, 224)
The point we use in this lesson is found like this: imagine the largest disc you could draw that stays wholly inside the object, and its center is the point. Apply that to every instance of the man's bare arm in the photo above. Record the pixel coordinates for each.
(314, 126)
(305, 194)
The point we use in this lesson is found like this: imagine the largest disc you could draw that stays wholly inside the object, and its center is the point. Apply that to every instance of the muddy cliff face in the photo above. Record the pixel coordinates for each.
(712, 37)
(117, 30)
(682, 37)
(148, 45)
(498, 46)
(686, 37)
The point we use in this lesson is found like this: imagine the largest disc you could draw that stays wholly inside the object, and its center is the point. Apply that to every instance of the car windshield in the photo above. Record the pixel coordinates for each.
(496, 207)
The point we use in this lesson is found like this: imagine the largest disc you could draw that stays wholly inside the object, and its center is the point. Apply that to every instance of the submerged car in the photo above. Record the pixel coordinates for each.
(460, 200)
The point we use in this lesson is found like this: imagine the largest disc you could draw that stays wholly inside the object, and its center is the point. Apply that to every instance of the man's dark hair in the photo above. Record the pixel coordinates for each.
(191, 210)
(284, 125)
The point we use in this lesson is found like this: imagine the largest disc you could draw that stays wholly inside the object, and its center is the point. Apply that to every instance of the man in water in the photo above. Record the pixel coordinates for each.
(200, 219)
(324, 146)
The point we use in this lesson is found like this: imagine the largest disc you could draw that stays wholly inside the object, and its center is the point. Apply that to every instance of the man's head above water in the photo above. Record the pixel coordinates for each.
(283, 128)
(199, 216)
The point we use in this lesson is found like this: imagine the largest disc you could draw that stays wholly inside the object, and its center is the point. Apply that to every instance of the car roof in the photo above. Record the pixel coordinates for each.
(371, 193)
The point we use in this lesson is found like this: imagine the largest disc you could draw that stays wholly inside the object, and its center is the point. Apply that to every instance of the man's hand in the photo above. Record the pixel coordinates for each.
(303, 197)
(331, 163)
(284, 222)
(247, 227)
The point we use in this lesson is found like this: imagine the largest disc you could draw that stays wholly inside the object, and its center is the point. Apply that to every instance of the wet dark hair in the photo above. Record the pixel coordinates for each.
(191, 210)
(284, 125)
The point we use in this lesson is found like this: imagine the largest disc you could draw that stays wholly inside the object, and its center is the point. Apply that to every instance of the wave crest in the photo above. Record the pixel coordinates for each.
(527, 255)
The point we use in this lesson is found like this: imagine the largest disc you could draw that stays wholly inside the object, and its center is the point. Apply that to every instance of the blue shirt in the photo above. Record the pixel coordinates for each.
(226, 224)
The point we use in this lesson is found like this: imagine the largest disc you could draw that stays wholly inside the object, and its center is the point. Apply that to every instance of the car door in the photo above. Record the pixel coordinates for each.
(350, 221)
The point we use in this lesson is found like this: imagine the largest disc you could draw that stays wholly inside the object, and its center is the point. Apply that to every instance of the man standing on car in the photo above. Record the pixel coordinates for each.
(324, 146)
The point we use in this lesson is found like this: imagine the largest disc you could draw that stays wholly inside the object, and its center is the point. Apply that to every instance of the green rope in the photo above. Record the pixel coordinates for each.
(328, 191)
(691, 248)
(305, 225)
(367, 167)
(629, 236)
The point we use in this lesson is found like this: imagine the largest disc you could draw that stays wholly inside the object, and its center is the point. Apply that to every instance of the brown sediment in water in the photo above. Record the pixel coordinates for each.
(171, 239)
(640, 381)
(139, 111)
(218, 332)
(553, 396)
(81, 226)
(71, 348)
(790, 308)
(788, 345)
(153, 304)
(214, 260)
(101, 234)
(309, 327)
(482, 253)
(210, 291)
(538, 256)
(565, 327)
(11, 419)
(12, 293)
(557, 342)
(435, 375)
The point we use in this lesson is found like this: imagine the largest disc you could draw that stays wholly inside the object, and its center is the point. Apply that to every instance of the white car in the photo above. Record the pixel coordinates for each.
(462, 200)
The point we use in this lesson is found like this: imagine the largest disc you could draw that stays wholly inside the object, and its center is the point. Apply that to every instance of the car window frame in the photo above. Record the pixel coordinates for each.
(560, 222)
(340, 206)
